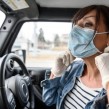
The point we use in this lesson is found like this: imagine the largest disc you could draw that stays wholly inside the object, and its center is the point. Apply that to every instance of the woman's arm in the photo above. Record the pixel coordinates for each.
(102, 62)
(51, 84)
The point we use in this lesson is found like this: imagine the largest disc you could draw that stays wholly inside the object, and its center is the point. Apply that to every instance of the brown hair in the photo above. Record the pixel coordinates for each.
(100, 10)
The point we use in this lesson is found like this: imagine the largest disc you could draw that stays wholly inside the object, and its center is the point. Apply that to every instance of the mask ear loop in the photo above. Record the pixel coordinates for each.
(94, 37)
(103, 33)
(106, 49)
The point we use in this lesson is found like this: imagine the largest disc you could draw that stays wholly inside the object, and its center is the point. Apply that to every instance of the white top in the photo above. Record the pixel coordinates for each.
(79, 96)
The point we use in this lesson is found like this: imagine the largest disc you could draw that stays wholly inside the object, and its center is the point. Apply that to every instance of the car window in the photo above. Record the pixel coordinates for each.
(43, 41)
(2, 18)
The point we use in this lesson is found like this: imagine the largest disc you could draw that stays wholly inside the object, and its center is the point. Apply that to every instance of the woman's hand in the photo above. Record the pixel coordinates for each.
(102, 63)
(61, 63)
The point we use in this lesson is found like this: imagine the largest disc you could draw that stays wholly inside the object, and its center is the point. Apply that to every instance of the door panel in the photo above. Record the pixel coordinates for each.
(37, 75)
(43, 42)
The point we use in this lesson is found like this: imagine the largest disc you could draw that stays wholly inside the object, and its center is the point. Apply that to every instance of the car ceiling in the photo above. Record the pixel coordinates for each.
(70, 3)
(57, 10)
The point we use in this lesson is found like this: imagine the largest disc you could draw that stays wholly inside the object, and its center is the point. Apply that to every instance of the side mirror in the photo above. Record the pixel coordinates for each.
(21, 53)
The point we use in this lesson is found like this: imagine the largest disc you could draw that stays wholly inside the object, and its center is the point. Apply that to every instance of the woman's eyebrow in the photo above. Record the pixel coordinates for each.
(88, 17)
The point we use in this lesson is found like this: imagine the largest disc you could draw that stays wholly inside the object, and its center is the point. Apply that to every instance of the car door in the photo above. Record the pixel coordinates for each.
(42, 43)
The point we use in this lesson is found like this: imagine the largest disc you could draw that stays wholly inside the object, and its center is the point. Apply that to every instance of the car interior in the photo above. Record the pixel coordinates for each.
(20, 86)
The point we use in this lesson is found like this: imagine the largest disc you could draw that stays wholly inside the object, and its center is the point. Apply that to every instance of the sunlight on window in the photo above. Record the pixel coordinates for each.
(2, 18)
(43, 42)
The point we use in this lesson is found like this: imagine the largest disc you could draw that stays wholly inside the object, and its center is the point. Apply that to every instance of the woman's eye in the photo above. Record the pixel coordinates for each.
(88, 25)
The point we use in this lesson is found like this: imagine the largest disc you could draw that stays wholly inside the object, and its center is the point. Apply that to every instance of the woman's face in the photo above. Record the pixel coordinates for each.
(89, 21)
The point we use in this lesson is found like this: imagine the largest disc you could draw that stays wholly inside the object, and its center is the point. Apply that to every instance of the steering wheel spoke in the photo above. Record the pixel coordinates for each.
(11, 99)
(27, 80)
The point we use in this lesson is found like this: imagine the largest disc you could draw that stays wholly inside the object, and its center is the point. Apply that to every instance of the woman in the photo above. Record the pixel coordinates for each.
(83, 84)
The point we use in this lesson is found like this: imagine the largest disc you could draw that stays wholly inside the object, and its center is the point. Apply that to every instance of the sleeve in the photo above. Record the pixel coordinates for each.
(50, 87)
(101, 103)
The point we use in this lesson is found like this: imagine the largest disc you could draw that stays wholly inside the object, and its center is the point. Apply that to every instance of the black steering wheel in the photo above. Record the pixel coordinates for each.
(16, 92)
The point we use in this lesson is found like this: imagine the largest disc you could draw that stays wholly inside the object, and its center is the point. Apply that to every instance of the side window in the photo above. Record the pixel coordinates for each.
(43, 41)
(2, 18)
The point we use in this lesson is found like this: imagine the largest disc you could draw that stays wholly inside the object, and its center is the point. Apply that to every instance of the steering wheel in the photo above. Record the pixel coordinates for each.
(16, 92)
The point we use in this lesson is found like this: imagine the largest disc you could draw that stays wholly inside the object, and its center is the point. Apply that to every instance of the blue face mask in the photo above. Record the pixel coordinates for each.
(81, 42)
